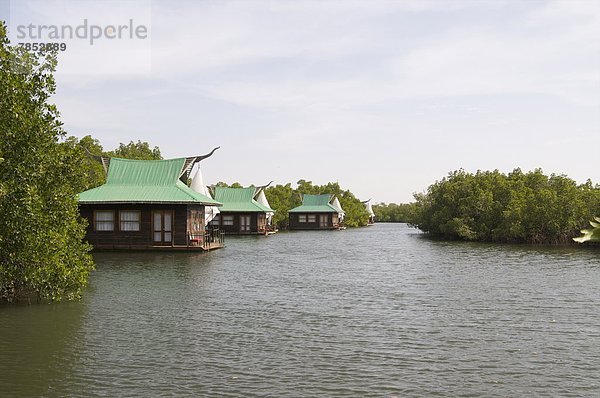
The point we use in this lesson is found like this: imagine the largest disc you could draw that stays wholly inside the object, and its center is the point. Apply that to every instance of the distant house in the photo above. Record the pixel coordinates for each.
(145, 204)
(369, 209)
(244, 211)
(317, 212)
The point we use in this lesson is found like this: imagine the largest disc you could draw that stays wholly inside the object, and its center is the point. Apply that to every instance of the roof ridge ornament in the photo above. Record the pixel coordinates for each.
(191, 161)
(104, 160)
(261, 188)
(186, 169)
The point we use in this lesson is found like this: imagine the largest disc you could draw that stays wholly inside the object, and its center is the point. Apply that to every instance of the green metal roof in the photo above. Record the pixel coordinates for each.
(315, 204)
(239, 200)
(144, 181)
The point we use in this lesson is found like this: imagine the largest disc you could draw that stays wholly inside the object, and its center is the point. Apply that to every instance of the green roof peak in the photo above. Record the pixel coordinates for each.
(316, 200)
(145, 181)
(239, 200)
(144, 172)
(316, 204)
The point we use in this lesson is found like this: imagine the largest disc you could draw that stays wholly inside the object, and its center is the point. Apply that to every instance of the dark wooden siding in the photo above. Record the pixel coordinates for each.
(332, 220)
(143, 238)
(235, 229)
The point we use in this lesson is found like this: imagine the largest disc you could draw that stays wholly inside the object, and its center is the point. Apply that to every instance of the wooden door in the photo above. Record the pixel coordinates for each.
(162, 227)
(323, 220)
(244, 223)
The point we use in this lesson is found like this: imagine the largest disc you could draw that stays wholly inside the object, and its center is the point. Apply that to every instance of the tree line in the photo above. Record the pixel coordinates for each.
(518, 207)
(392, 212)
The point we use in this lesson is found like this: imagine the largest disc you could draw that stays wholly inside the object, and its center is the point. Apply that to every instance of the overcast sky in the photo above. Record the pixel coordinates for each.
(383, 97)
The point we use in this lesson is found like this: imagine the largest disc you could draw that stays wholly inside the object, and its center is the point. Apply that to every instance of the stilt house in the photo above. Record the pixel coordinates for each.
(245, 211)
(145, 204)
(317, 212)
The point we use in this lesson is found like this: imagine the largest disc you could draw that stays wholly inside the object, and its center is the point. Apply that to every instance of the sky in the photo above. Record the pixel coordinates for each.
(384, 97)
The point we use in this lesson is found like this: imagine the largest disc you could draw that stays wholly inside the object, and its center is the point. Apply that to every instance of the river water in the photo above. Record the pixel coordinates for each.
(378, 311)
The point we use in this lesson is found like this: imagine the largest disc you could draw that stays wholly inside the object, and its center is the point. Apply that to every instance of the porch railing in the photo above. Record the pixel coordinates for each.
(208, 239)
(213, 238)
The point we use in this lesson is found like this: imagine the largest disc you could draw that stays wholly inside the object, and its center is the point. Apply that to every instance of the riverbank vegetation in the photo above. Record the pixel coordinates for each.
(42, 253)
(516, 207)
(392, 212)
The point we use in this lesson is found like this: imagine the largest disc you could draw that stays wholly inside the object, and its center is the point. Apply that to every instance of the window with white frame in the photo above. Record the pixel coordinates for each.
(129, 220)
(216, 221)
(312, 218)
(302, 218)
(104, 220)
(227, 219)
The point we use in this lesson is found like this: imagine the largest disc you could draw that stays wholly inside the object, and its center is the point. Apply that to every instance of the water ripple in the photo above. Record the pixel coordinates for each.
(378, 312)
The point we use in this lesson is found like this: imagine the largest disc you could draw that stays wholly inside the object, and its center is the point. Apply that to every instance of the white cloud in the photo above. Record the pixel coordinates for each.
(552, 59)
(430, 83)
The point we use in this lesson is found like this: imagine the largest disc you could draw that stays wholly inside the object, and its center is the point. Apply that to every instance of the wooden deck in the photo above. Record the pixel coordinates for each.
(213, 246)
(206, 247)
(211, 240)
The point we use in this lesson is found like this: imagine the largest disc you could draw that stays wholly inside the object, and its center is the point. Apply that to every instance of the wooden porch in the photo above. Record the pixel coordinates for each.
(210, 240)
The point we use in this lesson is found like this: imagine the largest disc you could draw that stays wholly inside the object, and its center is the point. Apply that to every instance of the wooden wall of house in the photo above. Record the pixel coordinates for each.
(294, 224)
(235, 229)
(143, 238)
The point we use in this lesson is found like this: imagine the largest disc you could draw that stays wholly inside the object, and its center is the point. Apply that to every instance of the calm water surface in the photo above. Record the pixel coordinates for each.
(377, 311)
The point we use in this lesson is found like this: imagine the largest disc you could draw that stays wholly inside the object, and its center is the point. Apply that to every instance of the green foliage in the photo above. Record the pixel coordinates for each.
(591, 235)
(42, 253)
(225, 185)
(356, 214)
(93, 169)
(136, 150)
(392, 212)
(518, 207)
(282, 198)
